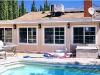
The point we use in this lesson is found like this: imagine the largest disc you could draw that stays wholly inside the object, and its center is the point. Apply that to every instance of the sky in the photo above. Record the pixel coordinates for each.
(66, 3)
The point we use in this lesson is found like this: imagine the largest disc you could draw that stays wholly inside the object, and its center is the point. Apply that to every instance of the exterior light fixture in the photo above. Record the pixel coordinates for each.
(99, 25)
(68, 25)
(14, 26)
(39, 26)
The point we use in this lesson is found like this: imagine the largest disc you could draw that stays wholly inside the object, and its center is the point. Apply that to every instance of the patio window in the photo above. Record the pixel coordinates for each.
(54, 35)
(27, 35)
(84, 35)
(6, 35)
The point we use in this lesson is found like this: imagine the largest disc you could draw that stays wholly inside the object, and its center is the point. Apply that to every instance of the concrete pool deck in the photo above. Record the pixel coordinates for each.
(77, 61)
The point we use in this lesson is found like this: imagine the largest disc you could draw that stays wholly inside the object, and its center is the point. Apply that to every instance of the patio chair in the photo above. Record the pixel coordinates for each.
(2, 51)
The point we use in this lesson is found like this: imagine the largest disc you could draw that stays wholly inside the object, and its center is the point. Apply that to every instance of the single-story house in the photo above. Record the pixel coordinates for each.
(37, 31)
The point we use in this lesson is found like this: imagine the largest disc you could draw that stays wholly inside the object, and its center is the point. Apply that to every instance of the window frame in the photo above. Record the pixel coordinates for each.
(4, 34)
(54, 44)
(27, 34)
(72, 41)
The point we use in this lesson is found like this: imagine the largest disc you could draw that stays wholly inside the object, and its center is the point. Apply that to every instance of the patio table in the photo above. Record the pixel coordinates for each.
(13, 48)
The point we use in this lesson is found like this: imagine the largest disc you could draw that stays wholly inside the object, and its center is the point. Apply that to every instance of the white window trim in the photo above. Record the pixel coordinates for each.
(12, 34)
(96, 42)
(27, 34)
(53, 43)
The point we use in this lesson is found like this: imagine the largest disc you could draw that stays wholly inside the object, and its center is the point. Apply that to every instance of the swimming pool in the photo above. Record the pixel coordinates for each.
(35, 68)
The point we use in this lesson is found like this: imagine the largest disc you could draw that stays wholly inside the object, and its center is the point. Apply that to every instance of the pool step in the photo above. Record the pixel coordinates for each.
(8, 67)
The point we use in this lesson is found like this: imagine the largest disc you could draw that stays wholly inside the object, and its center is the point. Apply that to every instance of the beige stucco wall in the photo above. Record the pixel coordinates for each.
(43, 48)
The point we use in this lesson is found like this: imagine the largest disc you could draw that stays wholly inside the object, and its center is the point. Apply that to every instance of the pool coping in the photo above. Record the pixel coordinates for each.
(61, 61)
(65, 61)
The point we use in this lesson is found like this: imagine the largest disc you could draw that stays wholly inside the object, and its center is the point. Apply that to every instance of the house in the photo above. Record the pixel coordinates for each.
(40, 32)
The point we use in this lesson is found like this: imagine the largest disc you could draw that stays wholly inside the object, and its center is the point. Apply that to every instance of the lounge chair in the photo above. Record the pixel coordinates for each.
(57, 53)
(2, 51)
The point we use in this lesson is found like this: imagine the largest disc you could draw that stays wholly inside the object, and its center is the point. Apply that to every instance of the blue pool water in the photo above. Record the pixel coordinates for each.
(38, 69)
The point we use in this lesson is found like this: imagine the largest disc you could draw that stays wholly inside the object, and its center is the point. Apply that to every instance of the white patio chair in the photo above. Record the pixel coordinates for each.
(2, 51)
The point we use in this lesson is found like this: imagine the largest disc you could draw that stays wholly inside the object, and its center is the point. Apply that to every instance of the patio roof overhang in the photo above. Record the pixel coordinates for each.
(49, 21)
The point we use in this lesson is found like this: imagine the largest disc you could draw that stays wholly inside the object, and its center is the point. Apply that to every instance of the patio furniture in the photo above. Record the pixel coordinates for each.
(12, 48)
(2, 51)
(59, 53)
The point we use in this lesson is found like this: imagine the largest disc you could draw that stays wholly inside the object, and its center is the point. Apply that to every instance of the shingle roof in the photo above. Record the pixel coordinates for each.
(40, 16)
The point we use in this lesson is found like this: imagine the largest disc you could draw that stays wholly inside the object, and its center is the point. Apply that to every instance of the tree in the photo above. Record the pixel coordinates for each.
(41, 8)
(3, 10)
(8, 9)
(22, 6)
(20, 13)
(22, 9)
(10, 13)
(15, 9)
(33, 8)
(25, 11)
(46, 5)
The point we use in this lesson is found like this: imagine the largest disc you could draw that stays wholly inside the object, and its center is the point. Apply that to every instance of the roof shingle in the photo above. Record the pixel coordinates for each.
(40, 16)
